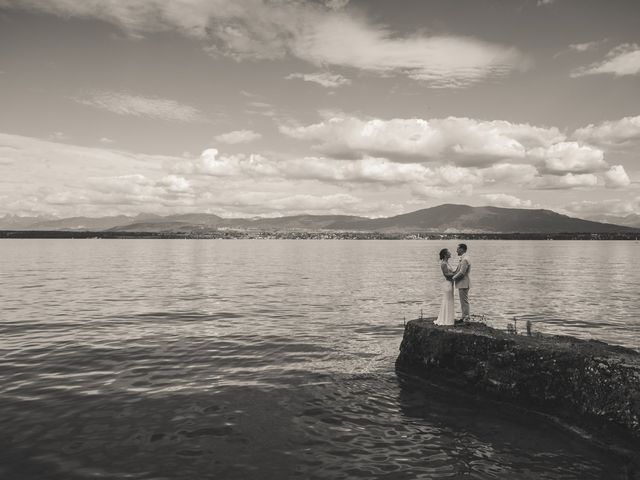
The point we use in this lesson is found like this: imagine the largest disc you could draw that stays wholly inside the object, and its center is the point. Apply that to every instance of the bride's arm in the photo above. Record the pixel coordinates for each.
(446, 271)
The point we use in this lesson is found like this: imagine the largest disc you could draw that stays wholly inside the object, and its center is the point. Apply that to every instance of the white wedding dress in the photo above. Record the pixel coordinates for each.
(447, 312)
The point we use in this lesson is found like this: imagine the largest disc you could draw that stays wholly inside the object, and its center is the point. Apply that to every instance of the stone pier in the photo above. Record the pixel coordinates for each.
(589, 384)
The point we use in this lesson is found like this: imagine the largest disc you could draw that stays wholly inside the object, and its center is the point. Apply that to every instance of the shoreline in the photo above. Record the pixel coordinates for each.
(310, 235)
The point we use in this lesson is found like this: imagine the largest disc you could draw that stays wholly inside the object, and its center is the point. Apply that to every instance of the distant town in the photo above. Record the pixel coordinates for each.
(227, 234)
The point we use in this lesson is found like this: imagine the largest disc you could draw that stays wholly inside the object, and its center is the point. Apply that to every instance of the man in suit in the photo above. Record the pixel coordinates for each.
(462, 280)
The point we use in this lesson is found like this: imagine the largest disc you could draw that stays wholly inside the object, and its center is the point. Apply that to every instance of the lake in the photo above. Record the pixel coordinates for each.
(189, 359)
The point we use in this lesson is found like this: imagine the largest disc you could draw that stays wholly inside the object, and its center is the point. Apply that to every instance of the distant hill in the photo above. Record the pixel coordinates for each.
(631, 220)
(450, 218)
(446, 218)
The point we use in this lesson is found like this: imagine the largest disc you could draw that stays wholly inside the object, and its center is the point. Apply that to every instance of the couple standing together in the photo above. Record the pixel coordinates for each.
(458, 277)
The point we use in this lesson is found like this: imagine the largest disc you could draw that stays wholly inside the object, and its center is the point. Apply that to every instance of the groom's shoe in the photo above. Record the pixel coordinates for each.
(459, 322)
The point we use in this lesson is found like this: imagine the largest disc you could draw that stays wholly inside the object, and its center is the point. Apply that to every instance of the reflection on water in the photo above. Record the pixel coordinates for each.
(274, 359)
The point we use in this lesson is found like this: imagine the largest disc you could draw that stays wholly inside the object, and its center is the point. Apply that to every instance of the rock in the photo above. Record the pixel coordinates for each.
(587, 383)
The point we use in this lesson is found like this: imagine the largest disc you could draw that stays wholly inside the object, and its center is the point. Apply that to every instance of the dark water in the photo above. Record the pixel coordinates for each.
(274, 359)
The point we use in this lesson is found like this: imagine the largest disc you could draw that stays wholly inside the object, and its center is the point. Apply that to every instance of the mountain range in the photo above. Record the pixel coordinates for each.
(447, 218)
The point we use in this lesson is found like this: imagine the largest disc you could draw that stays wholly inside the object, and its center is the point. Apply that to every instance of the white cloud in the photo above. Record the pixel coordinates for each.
(611, 133)
(325, 79)
(583, 47)
(41, 176)
(616, 177)
(442, 61)
(238, 136)
(622, 60)
(106, 140)
(510, 174)
(135, 105)
(435, 192)
(322, 34)
(466, 140)
(213, 164)
(569, 157)
(612, 206)
(504, 200)
(565, 182)
(542, 3)
(175, 184)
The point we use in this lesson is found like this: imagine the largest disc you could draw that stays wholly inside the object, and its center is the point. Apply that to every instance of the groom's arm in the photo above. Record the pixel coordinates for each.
(462, 270)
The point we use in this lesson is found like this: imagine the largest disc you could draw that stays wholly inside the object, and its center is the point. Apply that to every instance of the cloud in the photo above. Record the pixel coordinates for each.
(543, 3)
(463, 139)
(238, 136)
(325, 79)
(59, 137)
(611, 133)
(135, 105)
(213, 164)
(565, 182)
(621, 61)
(432, 181)
(441, 61)
(612, 206)
(41, 176)
(175, 184)
(616, 177)
(319, 33)
(510, 174)
(435, 192)
(106, 140)
(504, 200)
(583, 47)
(569, 157)
(53, 177)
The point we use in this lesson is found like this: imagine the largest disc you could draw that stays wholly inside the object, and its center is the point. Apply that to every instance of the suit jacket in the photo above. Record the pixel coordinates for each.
(462, 275)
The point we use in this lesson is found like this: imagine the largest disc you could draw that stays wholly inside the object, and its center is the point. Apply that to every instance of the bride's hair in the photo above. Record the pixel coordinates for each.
(443, 254)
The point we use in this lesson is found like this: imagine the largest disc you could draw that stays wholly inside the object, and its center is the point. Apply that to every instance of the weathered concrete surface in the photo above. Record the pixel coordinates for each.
(589, 383)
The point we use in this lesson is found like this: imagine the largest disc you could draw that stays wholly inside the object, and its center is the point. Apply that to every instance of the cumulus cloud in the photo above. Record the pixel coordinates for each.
(213, 164)
(238, 136)
(372, 170)
(611, 133)
(325, 79)
(139, 106)
(62, 179)
(467, 139)
(569, 157)
(621, 61)
(319, 33)
(611, 206)
(616, 177)
(504, 200)
(57, 178)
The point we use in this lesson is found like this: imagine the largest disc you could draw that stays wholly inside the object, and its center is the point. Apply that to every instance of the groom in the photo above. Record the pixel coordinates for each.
(462, 280)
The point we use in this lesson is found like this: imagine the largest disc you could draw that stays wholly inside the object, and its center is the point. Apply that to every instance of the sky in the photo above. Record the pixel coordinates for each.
(247, 108)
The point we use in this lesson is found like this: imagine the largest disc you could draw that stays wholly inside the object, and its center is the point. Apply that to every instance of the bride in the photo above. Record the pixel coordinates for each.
(446, 315)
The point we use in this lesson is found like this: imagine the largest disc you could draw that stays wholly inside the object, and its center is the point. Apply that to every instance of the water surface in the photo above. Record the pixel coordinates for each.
(157, 359)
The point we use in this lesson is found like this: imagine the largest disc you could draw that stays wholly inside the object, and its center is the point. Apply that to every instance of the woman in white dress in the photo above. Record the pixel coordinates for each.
(446, 315)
